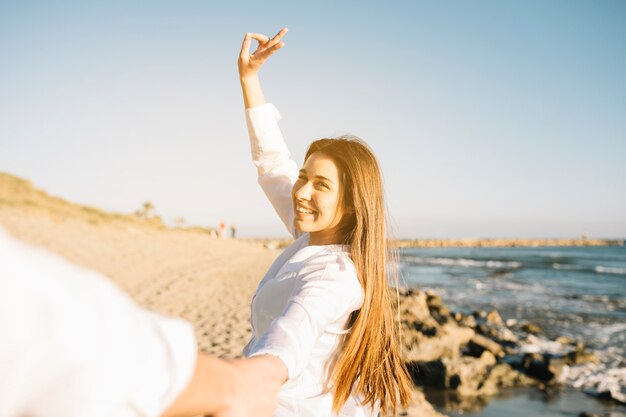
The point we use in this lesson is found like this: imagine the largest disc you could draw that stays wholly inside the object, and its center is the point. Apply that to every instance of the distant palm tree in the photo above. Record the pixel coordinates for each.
(146, 211)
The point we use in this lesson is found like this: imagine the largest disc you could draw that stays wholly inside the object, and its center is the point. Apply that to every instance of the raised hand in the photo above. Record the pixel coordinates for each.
(250, 63)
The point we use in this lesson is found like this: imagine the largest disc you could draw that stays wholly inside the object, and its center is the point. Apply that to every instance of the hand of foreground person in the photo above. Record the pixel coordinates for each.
(262, 378)
(250, 63)
(231, 388)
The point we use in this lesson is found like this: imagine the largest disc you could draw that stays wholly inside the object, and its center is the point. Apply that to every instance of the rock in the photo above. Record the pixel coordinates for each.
(408, 292)
(425, 338)
(467, 376)
(439, 312)
(467, 321)
(479, 343)
(511, 322)
(487, 358)
(480, 314)
(585, 414)
(414, 309)
(531, 328)
(581, 356)
(493, 317)
(545, 367)
(499, 333)
(447, 343)
(565, 340)
(504, 376)
(433, 300)
(428, 374)
(442, 315)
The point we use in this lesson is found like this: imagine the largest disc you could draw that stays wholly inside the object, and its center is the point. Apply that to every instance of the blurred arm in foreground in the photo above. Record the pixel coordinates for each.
(73, 344)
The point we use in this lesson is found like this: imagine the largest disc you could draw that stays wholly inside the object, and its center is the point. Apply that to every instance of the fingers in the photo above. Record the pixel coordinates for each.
(271, 45)
(265, 49)
(266, 53)
(245, 46)
(276, 39)
(259, 37)
(247, 40)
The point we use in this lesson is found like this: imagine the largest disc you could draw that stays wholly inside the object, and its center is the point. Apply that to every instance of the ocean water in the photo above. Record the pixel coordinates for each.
(578, 292)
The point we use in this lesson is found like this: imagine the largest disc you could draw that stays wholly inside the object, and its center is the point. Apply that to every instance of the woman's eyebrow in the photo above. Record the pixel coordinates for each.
(324, 178)
(303, 171)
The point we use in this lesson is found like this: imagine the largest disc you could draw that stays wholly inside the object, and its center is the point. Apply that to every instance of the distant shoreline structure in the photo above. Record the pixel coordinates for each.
(468, 243)
(503, 243)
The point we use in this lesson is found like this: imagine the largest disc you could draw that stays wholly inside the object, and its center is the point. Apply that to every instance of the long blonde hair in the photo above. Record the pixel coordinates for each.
(369, 360)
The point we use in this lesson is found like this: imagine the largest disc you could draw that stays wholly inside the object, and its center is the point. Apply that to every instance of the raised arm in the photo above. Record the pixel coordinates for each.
(277, 172)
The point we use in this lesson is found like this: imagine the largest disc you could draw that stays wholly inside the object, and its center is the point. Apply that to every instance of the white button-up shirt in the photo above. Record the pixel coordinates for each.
(73, 345)
(302, 306)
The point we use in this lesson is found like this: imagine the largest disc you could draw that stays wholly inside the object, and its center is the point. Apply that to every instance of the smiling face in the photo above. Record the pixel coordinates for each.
(317, 200)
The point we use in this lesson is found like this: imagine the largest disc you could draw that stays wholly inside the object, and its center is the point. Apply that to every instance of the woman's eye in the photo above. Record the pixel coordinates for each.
(322, 184)
(302, 177)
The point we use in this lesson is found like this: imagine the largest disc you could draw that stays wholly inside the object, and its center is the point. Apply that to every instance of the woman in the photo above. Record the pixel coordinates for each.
(323, 308)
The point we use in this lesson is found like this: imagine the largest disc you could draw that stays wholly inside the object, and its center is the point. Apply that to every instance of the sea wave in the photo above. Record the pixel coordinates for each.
(567, 267)
(470, 263)
(609, 270)
(499, 264)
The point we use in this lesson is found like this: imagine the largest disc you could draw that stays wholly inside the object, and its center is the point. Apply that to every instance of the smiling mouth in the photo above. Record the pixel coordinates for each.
(303, 210)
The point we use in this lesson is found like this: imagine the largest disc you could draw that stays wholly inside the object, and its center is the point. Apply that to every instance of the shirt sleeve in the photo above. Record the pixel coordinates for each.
(324, 296)
(73, 344)
(277, 172)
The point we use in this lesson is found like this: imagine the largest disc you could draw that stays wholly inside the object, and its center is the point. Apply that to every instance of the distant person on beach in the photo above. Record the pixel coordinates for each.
(233, 231)
(73, 345)
(324, 307)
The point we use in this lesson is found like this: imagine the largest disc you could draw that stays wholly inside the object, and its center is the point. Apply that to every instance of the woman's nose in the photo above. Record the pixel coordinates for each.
(304, 192)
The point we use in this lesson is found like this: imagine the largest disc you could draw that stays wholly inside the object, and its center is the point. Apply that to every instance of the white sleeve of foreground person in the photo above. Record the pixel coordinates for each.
(73, 344)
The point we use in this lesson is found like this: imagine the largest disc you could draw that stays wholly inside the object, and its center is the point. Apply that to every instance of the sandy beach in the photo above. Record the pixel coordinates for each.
(189, 274)
(209, 281)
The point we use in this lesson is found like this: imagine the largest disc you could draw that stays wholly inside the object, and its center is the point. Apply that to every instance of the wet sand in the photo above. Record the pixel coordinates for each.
(525, 402)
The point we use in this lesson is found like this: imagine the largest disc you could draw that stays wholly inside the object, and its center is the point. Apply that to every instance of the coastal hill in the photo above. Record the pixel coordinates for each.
(18, 193)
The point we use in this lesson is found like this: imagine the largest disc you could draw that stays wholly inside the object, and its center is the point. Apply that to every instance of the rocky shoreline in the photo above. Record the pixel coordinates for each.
(476, 355)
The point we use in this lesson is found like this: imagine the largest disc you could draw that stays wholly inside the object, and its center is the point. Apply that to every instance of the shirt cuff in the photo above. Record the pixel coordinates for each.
(288, 359)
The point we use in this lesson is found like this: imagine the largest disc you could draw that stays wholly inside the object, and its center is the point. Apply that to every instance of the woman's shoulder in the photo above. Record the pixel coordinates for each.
(337, 257)
(331, 264)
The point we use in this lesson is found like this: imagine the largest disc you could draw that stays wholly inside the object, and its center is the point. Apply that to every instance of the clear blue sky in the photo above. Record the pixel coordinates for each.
(490, 118)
